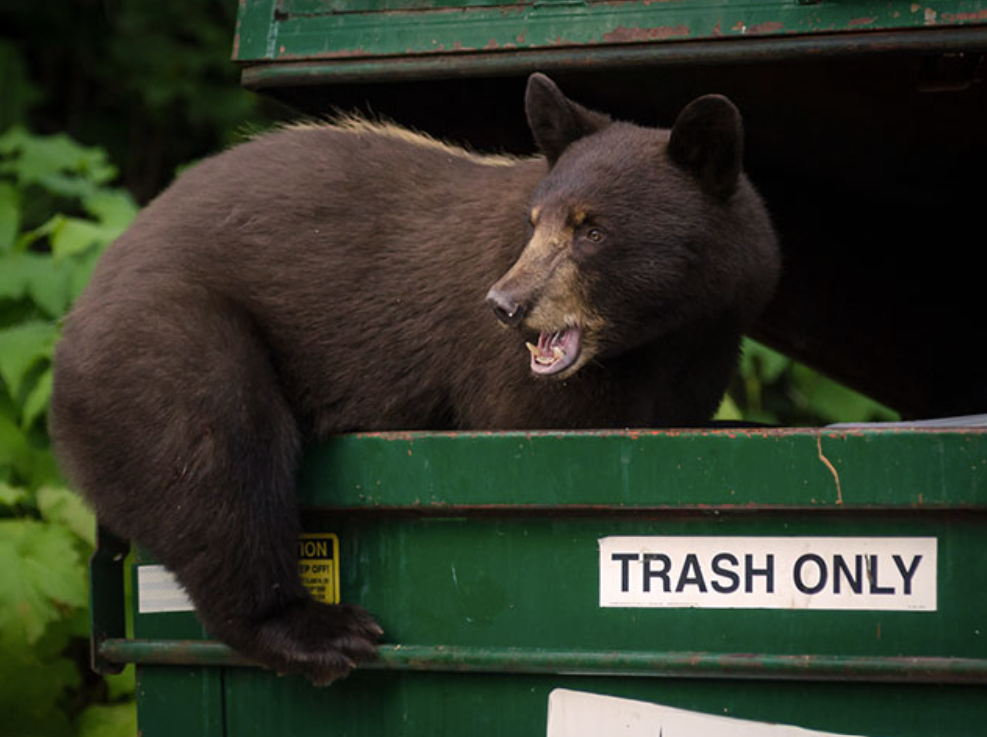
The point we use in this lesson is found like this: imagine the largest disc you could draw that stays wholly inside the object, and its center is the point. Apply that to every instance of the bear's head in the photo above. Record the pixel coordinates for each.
(635, 233)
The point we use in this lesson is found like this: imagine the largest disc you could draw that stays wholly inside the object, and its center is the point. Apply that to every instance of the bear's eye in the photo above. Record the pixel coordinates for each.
(595, 235)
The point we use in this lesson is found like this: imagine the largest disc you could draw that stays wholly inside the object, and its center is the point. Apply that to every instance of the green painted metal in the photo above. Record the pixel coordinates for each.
(181, 701)
(487, 36)
(479, 555)
(107, 611)
(659, 470)
(748, 51)
(379, 704)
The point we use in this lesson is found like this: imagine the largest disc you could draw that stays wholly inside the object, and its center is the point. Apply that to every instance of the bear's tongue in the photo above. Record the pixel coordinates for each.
(555, 352)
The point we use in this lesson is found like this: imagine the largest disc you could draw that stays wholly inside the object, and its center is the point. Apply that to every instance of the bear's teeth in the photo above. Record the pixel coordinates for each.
(543, 358)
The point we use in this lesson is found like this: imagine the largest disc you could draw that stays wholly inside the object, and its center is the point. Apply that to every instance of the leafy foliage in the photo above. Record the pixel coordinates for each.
(57, 213)
(773, 389)
(151, 82)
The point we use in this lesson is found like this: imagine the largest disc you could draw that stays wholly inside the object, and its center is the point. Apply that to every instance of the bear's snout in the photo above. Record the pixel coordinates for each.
(507, 309)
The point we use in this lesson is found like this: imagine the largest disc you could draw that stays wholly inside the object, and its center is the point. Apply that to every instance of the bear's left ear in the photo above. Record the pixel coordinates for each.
(708, 140)
(555, 120)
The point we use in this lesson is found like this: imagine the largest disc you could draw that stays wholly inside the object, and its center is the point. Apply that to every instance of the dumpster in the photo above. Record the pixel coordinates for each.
(827, 579)
(763, 582)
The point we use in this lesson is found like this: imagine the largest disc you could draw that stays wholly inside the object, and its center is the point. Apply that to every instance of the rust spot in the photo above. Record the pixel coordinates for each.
(492, 44)
(342, 54)
(971, 16)
(630, 35)
(771, 26)
(855, 22)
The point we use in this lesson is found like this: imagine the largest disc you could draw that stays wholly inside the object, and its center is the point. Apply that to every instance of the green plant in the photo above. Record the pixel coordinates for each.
(773, 389)
(152, 83)
(57, 214)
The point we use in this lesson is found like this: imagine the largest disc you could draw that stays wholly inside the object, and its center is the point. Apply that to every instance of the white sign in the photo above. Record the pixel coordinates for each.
(864, 573)
(575, 714)
(159, 591)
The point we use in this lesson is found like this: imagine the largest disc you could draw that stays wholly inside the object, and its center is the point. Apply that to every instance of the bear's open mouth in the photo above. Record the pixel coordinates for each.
(556, 351)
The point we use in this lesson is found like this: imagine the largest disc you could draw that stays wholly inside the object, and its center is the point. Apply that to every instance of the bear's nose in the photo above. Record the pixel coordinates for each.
(506, 308)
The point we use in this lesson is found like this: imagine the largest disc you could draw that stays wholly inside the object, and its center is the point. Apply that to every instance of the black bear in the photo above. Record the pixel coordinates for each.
(327, 278)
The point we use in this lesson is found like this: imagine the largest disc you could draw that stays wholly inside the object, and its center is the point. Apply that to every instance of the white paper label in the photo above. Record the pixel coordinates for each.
(575, 714)
(159, 591)
(863, 573)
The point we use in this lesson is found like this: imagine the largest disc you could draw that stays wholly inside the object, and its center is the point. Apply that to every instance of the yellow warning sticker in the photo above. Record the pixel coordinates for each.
(318, 565)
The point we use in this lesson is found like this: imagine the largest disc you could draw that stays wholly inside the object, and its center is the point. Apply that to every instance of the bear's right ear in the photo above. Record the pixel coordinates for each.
(708, 140)
(555, 120)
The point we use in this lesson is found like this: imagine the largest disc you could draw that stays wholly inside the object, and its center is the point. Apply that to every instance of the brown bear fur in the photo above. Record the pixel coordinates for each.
(330, 278)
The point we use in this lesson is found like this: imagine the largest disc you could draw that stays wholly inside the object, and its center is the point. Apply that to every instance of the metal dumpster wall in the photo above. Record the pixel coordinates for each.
(481, 556)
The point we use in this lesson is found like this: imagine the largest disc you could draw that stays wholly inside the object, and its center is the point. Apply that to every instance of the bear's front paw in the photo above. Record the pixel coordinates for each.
(321, 642)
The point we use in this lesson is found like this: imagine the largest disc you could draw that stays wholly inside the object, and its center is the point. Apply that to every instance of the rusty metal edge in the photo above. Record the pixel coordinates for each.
(439, 658)
(433, 66)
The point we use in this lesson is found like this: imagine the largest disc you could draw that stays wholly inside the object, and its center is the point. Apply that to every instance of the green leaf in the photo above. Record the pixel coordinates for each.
(108, 720)
(121, 685)
(114, 209)
(37, 400)
(32, 689)
(765, 362)
(13, 496)
(62, 506)
(44, 160)
(21, 348)
(834, 402)
(15, 451)
(728, 410)
(42, 578)
(20, 461)
(37, 277)
(72, 236)
(10, 215)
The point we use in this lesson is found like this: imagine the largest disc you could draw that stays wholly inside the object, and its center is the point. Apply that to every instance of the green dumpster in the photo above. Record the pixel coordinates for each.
(770, 582)
(827, 579)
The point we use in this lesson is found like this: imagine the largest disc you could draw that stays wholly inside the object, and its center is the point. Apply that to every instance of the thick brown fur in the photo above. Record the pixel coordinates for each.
(324, 279)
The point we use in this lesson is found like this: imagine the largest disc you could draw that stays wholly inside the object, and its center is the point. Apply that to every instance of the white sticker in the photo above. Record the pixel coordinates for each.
(863, 573)
(575, 714)
(159, 591)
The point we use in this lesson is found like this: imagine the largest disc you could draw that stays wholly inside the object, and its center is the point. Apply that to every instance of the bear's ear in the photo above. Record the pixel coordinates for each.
(708, 140)
(555, 120)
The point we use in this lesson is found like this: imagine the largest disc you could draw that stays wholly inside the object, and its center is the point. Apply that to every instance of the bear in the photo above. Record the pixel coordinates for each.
(351, 275)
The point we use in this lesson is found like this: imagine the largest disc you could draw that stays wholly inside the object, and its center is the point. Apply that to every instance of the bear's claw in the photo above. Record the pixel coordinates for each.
(321, 642)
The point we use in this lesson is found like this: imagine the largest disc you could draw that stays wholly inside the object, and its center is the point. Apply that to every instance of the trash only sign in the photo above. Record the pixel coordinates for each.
(577, 714)
(861, 573)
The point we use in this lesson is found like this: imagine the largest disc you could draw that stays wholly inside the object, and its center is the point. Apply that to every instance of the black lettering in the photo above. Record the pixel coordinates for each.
(800, 582)
(909, 574)
(872, 576)
(750, 572)
(313, 549)
(841, 570)
(650, 573)
(732, 576)
(625, 568)
(692, 575)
